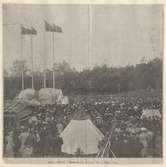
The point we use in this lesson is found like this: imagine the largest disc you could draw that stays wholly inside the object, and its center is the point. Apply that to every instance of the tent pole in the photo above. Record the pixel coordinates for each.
(111, 150)
(22, 72)
(45, 61)
(44, 78)
(90, 36)
(32, 61)
(53, 61)
(104, 149)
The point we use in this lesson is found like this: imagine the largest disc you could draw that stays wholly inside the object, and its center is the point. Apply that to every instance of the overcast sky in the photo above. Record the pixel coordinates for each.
(121, 34)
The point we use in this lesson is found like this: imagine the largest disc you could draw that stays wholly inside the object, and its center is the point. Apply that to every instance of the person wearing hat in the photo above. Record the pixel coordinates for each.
(36, 143)
(59, 126)
(23, 137)
(145, 137)
(17, 142)
(58, 145)
(9, 150)
(29, 145)
(42, 144)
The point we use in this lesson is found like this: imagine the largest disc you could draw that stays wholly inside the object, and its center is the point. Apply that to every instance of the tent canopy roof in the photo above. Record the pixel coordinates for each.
(50, 96)
(81, 135)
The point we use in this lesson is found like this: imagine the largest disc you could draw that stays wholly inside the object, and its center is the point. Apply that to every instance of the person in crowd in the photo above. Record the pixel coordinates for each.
(23, 137)
(117, 116)
(17, 142)
(59, 143)
(36, 145)
(43, 141)
(9, 150)
(29, 145)
(59, 127)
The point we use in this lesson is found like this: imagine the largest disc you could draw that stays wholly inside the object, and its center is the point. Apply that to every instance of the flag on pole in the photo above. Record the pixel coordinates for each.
(59, 29)
(48, 27)
(56, 28)
(33, 31)
(25, 31)
(52, 28)
(28, 31)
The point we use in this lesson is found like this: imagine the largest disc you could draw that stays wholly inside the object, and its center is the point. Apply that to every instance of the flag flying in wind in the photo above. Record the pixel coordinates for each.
(60, 29)
(33, 31)
(48, 27)
(57, 28)
(28, 31)
(52, 28)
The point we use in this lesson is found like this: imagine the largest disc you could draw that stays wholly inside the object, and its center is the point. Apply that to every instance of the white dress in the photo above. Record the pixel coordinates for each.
(9, 147)
(23, 136)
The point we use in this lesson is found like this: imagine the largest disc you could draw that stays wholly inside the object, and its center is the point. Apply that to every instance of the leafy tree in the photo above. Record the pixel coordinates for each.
(18, 67)
(100, 79)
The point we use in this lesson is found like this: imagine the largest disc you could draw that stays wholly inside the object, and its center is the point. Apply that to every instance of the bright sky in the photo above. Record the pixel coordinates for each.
(121, 34)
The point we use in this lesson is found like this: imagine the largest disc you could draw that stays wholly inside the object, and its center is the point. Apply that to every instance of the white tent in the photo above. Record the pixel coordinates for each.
(27, 94)
(81, 135)
(65, 100)
(32, 102)
(28, 97)
(50, 96)
(149, 113)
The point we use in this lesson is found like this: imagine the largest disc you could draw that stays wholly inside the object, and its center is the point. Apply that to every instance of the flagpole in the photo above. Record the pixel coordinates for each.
(90, 42)
(90, 36)
(22, 72)
(32, 60)
(53, 61)
(45, 63)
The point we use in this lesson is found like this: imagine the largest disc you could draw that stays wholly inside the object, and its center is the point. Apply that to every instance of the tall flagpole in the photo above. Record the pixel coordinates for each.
(90, 42)
(32, 60)
(45, 63)
(90, 36)
(53, 61)
(22, 72)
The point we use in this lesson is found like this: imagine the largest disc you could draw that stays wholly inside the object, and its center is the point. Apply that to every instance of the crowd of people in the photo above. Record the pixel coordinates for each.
(117, 116)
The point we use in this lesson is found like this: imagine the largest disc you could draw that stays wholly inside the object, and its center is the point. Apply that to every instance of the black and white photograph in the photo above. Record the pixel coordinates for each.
(83, 81)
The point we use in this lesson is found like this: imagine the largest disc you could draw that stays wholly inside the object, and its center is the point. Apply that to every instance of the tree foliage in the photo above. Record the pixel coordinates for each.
(100, 79)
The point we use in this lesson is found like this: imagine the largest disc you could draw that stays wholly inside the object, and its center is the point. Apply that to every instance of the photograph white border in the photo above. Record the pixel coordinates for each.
(78, 161)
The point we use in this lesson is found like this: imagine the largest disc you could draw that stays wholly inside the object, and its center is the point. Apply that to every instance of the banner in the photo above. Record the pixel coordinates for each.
(28, 31)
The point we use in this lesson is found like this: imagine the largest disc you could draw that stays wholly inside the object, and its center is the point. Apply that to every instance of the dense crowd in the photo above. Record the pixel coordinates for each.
(118, 117)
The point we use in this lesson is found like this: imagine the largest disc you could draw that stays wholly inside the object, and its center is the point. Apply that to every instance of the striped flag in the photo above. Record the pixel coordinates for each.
(33, 31)
(25, 31)
(57, 28)
(28, 31)
(48, 27)
(52, 28)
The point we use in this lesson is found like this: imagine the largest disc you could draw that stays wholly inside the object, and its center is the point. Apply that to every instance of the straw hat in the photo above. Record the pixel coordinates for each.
(143, 129)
